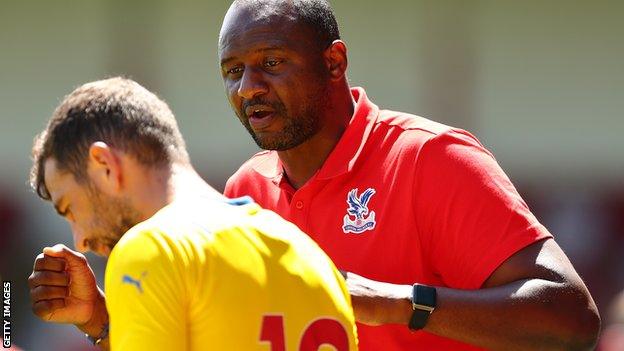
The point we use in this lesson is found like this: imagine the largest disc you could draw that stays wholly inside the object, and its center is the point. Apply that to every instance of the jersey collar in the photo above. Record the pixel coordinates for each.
(346, 153)
(342, 159)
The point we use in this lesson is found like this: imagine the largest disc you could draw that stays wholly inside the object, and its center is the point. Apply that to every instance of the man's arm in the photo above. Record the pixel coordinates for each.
(534, 300)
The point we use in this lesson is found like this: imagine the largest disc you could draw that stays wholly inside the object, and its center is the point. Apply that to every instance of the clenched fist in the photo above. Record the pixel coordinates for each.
(63, 287)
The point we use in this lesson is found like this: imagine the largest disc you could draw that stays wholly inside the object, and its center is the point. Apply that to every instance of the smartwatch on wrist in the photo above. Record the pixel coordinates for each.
(423, 303)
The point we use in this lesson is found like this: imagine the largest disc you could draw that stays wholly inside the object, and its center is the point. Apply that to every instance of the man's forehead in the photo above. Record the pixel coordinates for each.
(56, 179)
(254, 41)
(264, 38)
(251, 23)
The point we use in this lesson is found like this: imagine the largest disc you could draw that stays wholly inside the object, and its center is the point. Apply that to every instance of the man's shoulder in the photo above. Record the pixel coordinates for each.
(404, 133)
(140, 242)
(262, 163)
(260, 168)
(170, 230)
(411, 122)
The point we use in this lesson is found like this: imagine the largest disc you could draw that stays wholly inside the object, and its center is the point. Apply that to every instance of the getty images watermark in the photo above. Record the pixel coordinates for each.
(6, 314)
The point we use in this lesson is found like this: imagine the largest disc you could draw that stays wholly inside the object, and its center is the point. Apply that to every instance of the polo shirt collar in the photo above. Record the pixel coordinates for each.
(269, 166)
(345, 154)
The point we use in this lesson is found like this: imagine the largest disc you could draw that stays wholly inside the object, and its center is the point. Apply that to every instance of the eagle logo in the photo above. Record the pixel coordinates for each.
(358, 207)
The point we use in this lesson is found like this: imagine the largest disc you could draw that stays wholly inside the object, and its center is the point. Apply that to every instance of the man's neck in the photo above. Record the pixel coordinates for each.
(162, 187)
(303, 161)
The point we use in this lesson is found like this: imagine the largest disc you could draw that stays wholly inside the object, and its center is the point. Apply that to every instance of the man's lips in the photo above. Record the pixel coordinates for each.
(260, 116)
(259, 121)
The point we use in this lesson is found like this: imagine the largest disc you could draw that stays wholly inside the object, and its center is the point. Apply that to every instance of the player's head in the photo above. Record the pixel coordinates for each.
(280, 61)
(102, 135)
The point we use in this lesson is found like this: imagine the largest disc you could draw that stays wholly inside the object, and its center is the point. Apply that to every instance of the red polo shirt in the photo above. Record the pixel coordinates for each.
(401, 199)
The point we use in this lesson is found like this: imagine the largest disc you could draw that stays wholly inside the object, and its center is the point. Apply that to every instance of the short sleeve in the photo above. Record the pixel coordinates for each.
(145, 295)
(470, 217)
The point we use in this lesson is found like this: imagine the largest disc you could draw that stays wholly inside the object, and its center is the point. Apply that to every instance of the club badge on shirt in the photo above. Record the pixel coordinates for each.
(358, 220)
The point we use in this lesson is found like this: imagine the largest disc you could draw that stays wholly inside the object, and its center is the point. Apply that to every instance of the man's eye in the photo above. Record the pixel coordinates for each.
(66, 213)
(272, 63)
(235, 70)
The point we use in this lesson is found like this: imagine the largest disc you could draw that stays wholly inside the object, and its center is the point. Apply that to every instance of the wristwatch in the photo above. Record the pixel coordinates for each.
(423, 303)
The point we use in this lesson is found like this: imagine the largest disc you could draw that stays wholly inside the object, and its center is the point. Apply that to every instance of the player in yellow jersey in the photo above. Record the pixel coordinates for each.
(188, 269)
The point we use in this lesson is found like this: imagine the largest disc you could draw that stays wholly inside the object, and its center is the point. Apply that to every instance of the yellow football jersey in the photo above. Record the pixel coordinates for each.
(214, 275)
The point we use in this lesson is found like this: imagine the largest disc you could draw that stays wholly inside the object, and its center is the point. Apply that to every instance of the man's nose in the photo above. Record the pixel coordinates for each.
(80, 241)
(252, 84)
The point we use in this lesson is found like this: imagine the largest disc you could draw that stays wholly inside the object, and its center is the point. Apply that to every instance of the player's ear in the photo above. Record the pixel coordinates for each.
(104, 167)
(336, 59)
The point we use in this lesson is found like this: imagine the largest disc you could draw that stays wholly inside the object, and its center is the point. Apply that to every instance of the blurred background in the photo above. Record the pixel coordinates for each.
(540, 83)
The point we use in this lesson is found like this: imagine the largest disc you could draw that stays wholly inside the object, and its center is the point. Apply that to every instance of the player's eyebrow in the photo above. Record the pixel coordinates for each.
(227, 60)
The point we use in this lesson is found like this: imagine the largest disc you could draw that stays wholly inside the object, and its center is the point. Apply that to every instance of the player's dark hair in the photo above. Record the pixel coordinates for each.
(117, 111)
(317, 14)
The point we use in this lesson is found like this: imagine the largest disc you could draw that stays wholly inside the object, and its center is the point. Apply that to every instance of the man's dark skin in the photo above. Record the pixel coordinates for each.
(273, 65)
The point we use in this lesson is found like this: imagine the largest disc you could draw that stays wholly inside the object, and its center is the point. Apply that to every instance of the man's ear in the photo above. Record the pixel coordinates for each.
(104, 168)
(336, 59)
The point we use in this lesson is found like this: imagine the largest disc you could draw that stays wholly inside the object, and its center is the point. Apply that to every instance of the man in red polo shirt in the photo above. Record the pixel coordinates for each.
(422, 210)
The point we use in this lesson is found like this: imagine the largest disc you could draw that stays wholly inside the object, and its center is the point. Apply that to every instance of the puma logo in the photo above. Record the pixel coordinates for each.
(136, 282)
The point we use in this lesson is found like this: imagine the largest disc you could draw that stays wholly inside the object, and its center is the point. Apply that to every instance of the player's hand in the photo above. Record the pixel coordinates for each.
(63, 287)
(378, 303)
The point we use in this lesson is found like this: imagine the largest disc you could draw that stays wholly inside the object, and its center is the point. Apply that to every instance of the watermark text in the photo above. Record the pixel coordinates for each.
(6, 314)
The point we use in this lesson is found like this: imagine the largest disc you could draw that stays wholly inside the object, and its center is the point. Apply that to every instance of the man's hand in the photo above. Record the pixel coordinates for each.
(63, 287)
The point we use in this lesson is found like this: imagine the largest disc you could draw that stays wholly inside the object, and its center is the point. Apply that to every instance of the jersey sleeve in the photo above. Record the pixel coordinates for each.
(145, 295)
(470, 216)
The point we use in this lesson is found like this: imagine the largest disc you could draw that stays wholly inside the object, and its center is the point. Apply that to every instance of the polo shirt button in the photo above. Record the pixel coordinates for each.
(299, 205)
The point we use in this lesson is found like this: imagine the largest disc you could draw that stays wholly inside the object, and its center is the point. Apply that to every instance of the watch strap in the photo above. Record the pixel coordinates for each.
(423, 303)
(419, 319)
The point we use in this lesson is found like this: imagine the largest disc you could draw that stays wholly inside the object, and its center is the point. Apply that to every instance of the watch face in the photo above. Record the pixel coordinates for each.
(424, 296)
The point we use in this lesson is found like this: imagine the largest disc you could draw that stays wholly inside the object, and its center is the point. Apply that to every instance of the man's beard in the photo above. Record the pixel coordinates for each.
(113, 217)
(297, 129)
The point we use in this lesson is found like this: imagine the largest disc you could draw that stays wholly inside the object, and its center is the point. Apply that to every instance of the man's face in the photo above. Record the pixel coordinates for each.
(275, 77)
(97, 221)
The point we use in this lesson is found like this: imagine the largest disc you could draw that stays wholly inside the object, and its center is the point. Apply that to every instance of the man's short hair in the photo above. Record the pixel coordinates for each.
(316, 14)
(117, 111)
